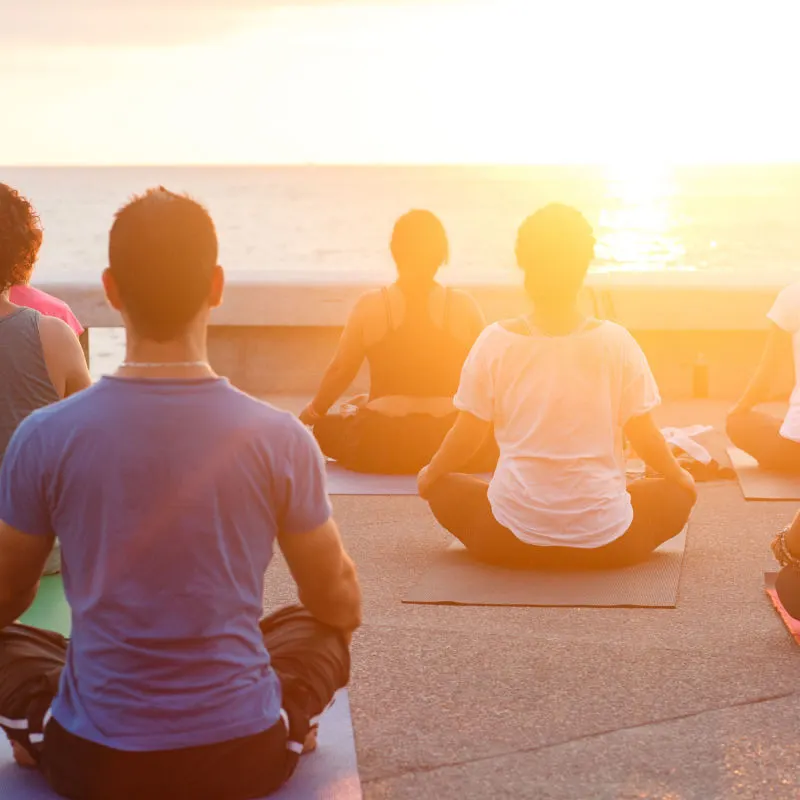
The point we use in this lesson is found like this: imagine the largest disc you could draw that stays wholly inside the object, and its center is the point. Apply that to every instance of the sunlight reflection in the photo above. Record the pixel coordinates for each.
(637, 230)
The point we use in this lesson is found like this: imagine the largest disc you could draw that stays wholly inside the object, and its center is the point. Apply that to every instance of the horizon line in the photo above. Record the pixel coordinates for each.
(393, 165)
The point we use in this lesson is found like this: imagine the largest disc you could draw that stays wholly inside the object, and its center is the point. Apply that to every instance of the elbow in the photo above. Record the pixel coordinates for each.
(352, 605)
(352, 618)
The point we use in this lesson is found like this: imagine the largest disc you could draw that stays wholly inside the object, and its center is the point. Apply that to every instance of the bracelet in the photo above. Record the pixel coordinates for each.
(782, 553)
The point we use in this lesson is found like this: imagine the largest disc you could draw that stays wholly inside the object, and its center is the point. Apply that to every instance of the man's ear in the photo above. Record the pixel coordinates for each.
(217, 287)
(111, 290)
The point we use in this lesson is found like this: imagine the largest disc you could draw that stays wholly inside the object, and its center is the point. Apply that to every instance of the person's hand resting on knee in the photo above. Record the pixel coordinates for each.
(651, 446)
(463, 441)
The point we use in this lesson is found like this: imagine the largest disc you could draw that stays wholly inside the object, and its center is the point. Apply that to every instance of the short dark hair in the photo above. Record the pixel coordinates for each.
(419, 244)
(555, 247)
(20, 238)
(162, 252)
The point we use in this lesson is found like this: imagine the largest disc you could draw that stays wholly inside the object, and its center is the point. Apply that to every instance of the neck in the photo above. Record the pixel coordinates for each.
(414, 287)
(558, 320)
(183, 357)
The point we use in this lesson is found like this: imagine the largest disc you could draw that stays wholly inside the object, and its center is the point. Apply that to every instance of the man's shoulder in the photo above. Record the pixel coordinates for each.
(58, 420)
(262, 414)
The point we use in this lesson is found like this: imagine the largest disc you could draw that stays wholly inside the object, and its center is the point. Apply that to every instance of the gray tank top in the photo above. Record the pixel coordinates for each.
(25, 384)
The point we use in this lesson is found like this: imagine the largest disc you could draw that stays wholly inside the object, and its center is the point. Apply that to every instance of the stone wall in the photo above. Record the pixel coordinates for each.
(277, 336)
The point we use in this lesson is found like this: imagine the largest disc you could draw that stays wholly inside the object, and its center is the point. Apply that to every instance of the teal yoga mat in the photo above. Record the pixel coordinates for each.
(50, 609)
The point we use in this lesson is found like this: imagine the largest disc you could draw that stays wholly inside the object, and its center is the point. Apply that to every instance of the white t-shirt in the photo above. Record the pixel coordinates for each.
(786, 315)
(558, 405)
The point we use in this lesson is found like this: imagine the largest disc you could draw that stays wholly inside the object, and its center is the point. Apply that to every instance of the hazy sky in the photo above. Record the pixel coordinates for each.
(425, 81)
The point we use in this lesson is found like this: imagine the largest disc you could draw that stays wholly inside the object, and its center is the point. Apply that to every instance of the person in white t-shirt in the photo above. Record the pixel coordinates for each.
(561, 391)
(773, 442)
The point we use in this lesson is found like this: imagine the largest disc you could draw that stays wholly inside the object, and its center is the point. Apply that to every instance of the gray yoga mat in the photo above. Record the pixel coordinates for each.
(762, 484)
(457, 579)
(330, 773)
(344, 481)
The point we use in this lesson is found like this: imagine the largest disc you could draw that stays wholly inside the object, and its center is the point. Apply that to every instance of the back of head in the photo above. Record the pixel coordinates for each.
(555, 247)
(419, 246)
(162, 254)
(20, 238)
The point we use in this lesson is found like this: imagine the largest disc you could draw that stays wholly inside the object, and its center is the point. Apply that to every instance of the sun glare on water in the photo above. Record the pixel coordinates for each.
(637, 230)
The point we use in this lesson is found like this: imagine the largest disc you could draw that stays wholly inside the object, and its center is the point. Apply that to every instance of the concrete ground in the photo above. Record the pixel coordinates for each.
(697, 702)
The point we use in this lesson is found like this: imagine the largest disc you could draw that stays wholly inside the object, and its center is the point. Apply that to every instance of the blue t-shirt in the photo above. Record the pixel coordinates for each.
(166, 497)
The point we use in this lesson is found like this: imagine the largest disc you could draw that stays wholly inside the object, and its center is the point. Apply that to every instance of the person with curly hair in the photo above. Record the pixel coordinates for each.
(41, 360)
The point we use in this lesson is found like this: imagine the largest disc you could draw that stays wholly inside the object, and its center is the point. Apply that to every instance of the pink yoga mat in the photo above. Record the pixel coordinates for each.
(792, 624)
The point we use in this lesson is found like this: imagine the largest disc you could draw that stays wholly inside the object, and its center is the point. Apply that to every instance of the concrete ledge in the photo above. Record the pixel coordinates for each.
(682, 301)
(283, 360)
(274, 334)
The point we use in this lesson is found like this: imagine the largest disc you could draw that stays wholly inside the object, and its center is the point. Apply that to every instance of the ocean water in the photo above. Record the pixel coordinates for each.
(298, 222)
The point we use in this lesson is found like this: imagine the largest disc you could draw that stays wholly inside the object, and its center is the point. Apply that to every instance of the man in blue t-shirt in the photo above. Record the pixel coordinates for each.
(167, 489)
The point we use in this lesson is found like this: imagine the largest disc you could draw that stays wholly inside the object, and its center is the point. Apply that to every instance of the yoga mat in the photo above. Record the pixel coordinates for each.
(792, 624)
(457, 579)
(763, 484)
(330, 773)
(50, 609)
(343, 482)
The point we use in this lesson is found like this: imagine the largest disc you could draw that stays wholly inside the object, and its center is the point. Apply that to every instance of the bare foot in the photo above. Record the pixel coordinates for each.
(22, 756)
(310, 744)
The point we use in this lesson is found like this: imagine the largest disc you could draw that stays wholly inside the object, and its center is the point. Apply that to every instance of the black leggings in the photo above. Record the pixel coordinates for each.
(372, 442)
(460, 504)
(310, 659)
(759, 435)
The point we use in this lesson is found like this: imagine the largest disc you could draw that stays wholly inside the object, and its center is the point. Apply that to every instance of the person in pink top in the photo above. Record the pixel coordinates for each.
(26, 295)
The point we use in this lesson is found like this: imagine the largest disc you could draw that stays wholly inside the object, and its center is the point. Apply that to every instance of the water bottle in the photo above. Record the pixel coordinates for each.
(700, 377)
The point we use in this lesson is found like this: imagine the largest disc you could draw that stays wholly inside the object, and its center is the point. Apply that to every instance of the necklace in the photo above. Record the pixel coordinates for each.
(163, 364)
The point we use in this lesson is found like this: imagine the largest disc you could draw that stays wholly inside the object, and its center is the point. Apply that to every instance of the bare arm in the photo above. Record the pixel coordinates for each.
(342, 370)
(652, 448)
(471, 320)
(63, 356)
(461, 443)
(777, 348)
(325, 575)
(22, 560)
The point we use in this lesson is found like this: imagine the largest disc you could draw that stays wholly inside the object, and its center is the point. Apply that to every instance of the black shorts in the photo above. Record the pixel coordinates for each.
(312, 661)
(376, 443)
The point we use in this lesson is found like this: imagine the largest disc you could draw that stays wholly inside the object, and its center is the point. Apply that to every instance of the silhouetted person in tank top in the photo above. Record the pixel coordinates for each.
(415, 335)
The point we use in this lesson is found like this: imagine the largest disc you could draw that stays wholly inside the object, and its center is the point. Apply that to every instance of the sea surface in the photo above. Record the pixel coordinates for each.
(306, 220)
(298, 222)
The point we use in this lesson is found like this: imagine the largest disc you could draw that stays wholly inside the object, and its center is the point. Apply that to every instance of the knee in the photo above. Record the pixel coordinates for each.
(326, 432)
(439, 494)
(443, 499)
(736, 425)
(680, 506)
(787, 586)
